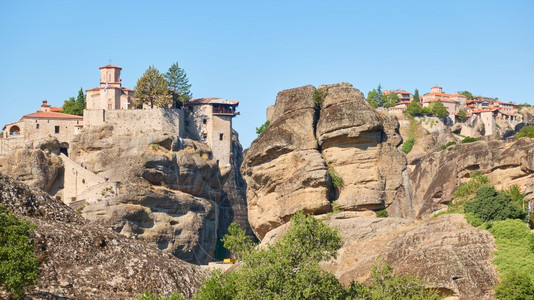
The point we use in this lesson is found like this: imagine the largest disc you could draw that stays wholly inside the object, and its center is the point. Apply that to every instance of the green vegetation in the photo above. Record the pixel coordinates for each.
(289, 269)
(438, 109)
(383, 213)
(467, 94)
(412, 133)
(375, 97)
(447, 145)
(178, 85)
(462, 116)
(154, 147)
(390, 100)
(520, 106)
(19, 266)
(388, 285)
(152, 89)
(75, 107)
(527, 131)
(336, 180)
(414, 109)
(490, 205)
(318, 96)
(260, 130)
(408, 145)
(469, 139)
(468, 189)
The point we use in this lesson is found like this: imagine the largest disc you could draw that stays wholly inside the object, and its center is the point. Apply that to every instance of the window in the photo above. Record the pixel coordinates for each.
(37, 126)
(204, 135)
(221, 135)
(204, 121)
(56, 129)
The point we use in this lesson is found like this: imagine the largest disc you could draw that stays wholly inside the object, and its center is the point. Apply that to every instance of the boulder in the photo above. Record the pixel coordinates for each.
(82, 260)
(446, 252)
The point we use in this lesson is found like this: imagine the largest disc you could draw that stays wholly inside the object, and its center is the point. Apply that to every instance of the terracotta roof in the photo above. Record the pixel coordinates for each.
(476, 111)
(211, 100)
(56, 109)
(127, 89)
(51, 115)
(402, 102)
(506, 103)
(442, 100)
(93, 89)
(402, 92)
(110, 67)
(436, 87)
(444, 95)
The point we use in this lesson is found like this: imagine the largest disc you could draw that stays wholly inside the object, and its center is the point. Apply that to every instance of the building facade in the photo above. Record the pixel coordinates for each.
(110, 94)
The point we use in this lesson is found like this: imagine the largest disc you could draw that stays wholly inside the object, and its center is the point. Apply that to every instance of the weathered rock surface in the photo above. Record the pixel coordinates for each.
(83, 260)
(287, 168)
(434, 178)
(447, 252)
(169, 189)
(34, 165)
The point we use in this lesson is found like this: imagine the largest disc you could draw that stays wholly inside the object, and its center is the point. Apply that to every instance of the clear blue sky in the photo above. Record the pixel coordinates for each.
(250, 50)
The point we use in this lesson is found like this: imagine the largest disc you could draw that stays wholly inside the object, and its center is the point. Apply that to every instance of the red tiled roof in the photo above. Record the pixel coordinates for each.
(442, 100)
(444, 95)
(402, 102)
(110, 67)
(506, 103)
(56, 109)
(436, 87)
(402, 92)
(93, 89)
(211, 100)
(127, 89)
(51, 115)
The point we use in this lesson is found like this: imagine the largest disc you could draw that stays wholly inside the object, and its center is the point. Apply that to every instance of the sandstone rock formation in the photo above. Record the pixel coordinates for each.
(169, 189)
(34, 165)
(290, 167)
(83, 260)
(447, 252)
(434, 179)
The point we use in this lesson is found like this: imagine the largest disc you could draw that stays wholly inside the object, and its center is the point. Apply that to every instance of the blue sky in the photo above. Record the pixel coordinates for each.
(250, 50)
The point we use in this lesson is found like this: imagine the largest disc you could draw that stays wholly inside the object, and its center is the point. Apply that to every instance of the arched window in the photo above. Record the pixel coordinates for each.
(14, 130)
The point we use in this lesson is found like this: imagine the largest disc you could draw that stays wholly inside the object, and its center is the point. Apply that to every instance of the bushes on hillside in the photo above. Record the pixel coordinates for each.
(469, 139)
(260, 130)
(19, 266)
(527, 131)
(408, 145)
(490, 205)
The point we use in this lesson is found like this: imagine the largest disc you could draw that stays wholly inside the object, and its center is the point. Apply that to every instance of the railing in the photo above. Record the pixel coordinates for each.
(222, 110)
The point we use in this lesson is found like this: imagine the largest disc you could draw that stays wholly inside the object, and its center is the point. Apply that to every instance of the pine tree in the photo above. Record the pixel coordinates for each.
(379, 96)
(74, 106)
(178, 84)
(152, 88)
(80, 102)
(415, 98)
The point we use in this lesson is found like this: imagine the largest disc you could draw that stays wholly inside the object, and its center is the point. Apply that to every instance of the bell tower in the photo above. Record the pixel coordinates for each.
(110, 76)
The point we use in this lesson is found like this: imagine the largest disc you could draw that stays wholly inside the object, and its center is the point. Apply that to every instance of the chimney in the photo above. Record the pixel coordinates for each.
(45, 106)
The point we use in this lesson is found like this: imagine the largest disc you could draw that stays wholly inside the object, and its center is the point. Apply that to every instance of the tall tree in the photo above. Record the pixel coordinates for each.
(379, 98)
(152, 89)
(178, 84)
(439, 110)
(371, 98)
(467, 94)
(416, 98)
(74, 106)
(390, 100)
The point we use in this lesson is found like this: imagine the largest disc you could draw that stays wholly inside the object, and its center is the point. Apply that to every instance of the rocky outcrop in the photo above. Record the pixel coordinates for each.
(435, 178)
(169, 189)
(33, 164)
(83, 260)
(447, 252)
(313, 137)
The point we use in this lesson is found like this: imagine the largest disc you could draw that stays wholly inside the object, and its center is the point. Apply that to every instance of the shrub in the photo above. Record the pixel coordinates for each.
(469, 188)
(490, 205)
(260, 130)
(154, 147)
(152, 296)
(336, 180)
(388, 285)
(318, 96)
(383, 213)
(408, 145)
(447, 145)
(19, 266)
(527, 131)
(515, 285)
(469, 139)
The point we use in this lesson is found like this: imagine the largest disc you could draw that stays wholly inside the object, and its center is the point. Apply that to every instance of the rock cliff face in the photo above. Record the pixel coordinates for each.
(446, 252)
(290, 167)
(169, 189)
(434, 178)
(83, 260)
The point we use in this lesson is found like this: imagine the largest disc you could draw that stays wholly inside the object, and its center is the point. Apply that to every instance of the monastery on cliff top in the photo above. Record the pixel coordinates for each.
(205, 119)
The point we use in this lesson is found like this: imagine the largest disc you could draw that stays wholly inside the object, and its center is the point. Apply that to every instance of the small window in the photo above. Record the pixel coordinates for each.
(37, 126)
(221, 135)
(56, 129)
(204, 135)
(204, 121)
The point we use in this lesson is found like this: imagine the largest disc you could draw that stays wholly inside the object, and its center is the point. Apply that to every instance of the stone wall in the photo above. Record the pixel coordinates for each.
(40, 129)
(221, 140)
(133, 121)
(77, 180)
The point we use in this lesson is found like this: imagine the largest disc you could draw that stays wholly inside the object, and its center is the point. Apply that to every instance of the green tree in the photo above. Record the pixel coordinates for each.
(379, 97)
(152, 89)
(467, 94)
(490, 205)
(462, 115)
(287, 269)
(438, 109)
(416, 98)
(178, 84)
(75, 106)
(260, 130)
(390, 100)
(527, 131)
(371, 97)
(414, 109)
(19, 266)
